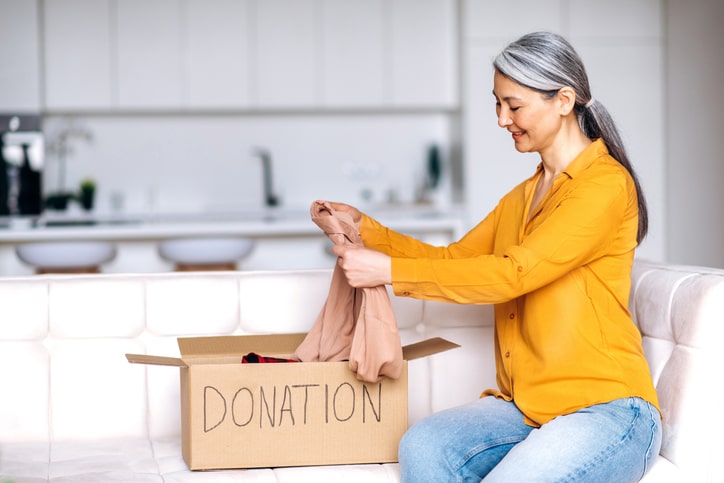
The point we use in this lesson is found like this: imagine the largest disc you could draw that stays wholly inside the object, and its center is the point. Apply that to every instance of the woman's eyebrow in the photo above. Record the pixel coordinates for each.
(507, 98)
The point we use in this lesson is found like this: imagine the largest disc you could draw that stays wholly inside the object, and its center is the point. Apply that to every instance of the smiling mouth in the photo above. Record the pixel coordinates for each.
(517, 134)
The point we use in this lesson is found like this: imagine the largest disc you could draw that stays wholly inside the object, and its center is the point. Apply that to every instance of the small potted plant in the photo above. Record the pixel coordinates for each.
(87, 193)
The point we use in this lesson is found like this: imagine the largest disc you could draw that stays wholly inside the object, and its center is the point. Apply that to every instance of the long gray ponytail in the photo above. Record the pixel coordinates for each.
(546, 62)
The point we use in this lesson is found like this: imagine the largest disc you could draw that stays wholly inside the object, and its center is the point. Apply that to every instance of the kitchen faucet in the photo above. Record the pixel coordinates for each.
(270, 198)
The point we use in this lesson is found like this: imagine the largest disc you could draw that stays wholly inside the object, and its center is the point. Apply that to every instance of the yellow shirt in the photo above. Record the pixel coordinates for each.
(564, 338)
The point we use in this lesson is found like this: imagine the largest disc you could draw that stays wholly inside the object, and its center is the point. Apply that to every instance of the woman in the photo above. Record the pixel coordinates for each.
(575, 400)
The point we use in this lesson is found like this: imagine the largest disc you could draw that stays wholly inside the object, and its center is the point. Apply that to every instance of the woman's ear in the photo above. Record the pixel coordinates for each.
(566, 100)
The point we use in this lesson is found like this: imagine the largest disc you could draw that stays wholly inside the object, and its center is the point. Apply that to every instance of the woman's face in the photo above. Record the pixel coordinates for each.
(532, 120)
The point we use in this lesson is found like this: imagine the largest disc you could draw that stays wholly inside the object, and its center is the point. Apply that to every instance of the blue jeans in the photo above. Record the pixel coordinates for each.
(488, 440)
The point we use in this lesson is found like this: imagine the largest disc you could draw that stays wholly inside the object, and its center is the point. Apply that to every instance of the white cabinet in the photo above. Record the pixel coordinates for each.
(217, 54)
(77, 35)
(19, 56)
(136, 54)
(287, 53)
(353, 52)
(423, 50)
(201, 55)
(389, 53)
(149, 37)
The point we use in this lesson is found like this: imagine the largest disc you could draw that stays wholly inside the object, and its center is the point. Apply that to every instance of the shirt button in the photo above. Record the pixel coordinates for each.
(507, 354)
(520, 269)
(511, 316)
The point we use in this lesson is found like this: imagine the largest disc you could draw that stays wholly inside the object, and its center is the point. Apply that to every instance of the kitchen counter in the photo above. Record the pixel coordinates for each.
(284, 238)
(258, 223)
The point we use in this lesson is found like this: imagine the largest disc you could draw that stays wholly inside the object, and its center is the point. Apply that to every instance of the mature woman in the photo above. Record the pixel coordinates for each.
(575, 400)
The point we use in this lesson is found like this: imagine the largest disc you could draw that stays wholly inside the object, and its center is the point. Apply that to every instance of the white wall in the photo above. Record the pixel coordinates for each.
(695, 118)
(205, 162)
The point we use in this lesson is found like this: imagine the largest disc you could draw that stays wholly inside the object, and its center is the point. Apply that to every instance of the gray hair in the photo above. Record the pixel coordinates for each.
(546, 62)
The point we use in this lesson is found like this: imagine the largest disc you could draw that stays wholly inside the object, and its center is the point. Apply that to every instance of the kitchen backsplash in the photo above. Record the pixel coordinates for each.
(160, 163)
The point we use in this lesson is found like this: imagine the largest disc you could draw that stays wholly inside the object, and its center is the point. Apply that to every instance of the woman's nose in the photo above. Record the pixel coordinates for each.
(503, 118)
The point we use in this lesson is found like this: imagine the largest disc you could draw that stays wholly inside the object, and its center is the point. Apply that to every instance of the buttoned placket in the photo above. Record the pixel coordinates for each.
(507, 340)
(528, 219)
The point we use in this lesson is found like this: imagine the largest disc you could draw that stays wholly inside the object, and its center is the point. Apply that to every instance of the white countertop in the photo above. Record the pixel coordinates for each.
(254, 223)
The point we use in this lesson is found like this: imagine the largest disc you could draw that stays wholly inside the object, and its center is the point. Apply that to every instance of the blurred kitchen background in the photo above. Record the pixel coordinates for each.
(174, 107)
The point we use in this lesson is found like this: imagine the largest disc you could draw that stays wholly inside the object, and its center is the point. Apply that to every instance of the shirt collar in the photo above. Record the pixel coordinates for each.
(584, 159)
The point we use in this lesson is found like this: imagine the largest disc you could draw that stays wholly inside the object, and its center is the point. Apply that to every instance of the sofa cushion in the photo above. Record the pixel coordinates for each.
(25, 376)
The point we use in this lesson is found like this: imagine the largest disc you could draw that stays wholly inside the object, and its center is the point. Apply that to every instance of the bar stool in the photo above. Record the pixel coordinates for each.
(66, 256)
(203, 253)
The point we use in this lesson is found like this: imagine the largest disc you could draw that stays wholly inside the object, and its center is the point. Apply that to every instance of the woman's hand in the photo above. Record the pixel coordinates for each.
(364, 267)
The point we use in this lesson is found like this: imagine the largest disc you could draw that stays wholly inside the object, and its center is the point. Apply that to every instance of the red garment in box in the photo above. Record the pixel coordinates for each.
(254, 358)
(358, 325)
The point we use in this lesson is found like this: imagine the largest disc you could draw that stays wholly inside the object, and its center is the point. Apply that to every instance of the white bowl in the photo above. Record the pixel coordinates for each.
(66, 254)
(205, 251)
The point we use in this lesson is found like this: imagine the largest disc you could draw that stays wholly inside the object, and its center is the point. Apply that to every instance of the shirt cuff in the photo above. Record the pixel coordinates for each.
(404, 276)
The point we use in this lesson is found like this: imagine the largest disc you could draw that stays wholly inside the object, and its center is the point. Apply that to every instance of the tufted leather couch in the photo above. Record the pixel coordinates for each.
(72, 409)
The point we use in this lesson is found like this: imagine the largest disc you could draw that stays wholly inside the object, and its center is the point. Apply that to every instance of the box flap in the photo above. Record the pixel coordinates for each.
(155, 360)
(270, 344)
(238, 345)
(427, 348)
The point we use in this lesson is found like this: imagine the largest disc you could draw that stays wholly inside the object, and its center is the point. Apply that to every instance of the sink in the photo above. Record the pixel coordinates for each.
(61, 254)
(70, 223)
(60, 222)
(205, 251)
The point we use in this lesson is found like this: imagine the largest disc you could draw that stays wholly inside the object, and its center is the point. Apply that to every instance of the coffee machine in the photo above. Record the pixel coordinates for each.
(22, 153)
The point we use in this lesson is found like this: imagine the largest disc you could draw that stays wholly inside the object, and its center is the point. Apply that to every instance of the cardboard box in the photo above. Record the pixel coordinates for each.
(285, 414)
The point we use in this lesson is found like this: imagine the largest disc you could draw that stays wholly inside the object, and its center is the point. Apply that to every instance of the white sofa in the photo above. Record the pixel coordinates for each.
(73, 410)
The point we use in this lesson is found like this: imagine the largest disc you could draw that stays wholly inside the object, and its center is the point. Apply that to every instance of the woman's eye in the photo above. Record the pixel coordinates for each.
(514, 108)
